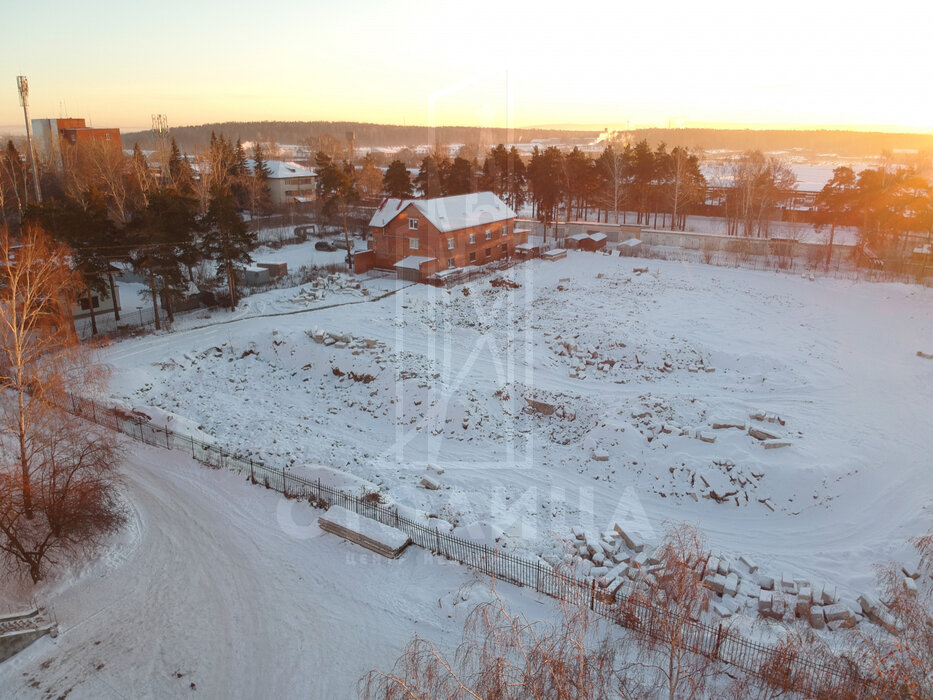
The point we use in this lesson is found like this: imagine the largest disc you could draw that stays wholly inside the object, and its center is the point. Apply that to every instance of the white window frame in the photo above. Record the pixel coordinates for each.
(472, 238)
(451, 263)
(488, 234)
(413, 243)
(450, 243)
(413, 224)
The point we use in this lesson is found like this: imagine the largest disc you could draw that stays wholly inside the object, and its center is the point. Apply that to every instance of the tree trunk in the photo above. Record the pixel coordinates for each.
(155, 300)
(829, 248)
(231, 284)
(23, 452)
(113, 297)
(90, 305)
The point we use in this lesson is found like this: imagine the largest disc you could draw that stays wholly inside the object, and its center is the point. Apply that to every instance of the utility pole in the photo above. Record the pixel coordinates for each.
(22, 85)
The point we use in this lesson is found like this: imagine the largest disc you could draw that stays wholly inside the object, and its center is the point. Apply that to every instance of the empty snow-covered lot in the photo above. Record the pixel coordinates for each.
(639, 368)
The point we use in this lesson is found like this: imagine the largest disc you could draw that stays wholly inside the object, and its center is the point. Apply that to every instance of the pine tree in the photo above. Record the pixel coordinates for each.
(227, 240)
(397, 181)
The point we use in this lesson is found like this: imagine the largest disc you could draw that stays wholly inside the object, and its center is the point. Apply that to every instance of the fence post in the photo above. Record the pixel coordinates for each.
(252, 478)
(437, 539)
(191, 437)
(168, 445)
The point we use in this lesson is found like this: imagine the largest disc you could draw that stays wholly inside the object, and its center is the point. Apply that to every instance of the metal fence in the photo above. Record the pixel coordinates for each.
(833, 677)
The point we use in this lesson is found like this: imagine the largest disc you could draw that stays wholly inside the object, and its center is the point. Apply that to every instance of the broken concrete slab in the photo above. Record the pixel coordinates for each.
(775, 444)
(760, 434)
(430, 484)
(749, 564)
(817, 621)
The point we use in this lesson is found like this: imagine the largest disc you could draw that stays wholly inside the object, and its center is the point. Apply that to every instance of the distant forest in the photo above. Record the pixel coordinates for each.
(190, 138)
(842, 143)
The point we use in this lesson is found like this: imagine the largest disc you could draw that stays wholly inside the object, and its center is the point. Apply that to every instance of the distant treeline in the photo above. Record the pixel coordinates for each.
(191, 138)
(842, 143)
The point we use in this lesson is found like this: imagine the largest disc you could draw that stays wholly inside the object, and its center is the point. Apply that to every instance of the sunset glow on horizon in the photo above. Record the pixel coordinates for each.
(800, 65)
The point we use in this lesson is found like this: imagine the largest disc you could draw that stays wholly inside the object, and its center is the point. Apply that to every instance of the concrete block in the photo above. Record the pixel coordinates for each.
(837, 612)
(766, 582)
(725, 568)
(731, 586)
(716, 583)
(817, 621)
(632, 539)
(599, 558)
(910, 585)
(749, 564)
(765, 601)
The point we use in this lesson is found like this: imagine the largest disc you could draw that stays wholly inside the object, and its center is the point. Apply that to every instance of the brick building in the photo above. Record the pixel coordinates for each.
(54, 135)
(421, 237)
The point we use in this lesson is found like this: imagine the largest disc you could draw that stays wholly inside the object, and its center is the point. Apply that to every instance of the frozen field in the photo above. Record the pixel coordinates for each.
(639, 368)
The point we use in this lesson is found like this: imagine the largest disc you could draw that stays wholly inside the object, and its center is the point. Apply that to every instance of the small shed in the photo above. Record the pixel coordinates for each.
(630, 247)
(276, 269)
(554, 254)
(253, 275)
(593, 242)
(409, 269)
(528, 250)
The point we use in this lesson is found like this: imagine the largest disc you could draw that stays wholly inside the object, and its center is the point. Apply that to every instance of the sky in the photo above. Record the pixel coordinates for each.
(761, 65)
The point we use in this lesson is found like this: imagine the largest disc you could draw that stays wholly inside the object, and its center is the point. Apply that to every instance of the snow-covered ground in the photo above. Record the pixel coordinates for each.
(635, 363)
(226, 589)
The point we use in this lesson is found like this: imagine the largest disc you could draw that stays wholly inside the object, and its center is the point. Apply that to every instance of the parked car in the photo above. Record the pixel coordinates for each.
(325, 245)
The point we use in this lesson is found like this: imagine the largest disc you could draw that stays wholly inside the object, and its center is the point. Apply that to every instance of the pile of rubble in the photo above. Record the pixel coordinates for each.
(621, 562)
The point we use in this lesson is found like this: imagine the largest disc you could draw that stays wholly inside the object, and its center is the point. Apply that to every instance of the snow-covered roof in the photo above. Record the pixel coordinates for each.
(578, 236)
(448, 213)
(631, 242)
(598, 236)
(281, 169)
(413, 262)
(527, 246)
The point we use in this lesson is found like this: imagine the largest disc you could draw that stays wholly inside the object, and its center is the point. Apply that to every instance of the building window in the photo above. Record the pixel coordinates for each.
(106, 137)
(450, 244)
(84, 305)
(450, 263)
(488, 234)
(489, 252)
(472, 257)
(472, 238)
(412, 244)
(413, 224)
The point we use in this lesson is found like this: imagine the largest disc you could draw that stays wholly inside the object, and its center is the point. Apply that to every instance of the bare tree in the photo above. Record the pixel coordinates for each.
(674, 597)
(902, 658)
(55, 488)
(508, 656)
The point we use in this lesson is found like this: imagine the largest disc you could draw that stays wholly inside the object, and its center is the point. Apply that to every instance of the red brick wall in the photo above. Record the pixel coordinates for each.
(391, 244)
